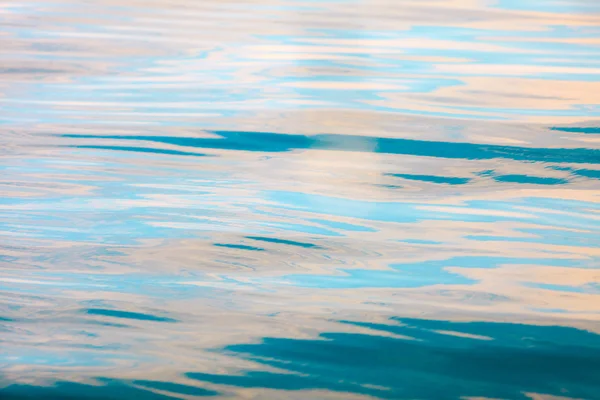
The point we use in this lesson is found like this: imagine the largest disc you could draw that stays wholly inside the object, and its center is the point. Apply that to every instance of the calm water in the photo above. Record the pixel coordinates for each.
(394, 199)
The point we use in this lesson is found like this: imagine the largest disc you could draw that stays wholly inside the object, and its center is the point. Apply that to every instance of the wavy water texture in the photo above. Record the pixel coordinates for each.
(300, 199)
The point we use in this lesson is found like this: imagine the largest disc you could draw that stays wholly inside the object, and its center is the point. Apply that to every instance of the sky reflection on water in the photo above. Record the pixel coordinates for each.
(299, 199)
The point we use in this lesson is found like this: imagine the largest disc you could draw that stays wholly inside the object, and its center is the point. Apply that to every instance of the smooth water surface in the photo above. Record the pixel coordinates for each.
(394, 199)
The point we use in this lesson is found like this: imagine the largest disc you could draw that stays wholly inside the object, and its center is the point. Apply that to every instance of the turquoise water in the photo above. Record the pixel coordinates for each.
(300, 199)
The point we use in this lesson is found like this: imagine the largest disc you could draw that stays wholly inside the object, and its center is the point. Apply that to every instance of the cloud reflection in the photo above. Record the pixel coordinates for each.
(232, 198)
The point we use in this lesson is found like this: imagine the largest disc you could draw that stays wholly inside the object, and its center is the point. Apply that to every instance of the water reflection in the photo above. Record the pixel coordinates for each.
(403, 358)
(297, 199)
(105, 388)
(428, 359)
(272, 142)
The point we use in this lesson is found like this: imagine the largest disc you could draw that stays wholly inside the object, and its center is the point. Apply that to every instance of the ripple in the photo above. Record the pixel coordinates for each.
(299, 199)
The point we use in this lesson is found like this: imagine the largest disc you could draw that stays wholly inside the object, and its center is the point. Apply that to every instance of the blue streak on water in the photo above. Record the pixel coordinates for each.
(577, 129)
(142, 150)
(127, 315)
(393, 367)
(239, 246)
(434, 179)
(283, 241)
(272, 142)
(537, 180)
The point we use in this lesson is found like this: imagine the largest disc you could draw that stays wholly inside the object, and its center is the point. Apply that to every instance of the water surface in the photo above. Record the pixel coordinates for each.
(300, 199)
